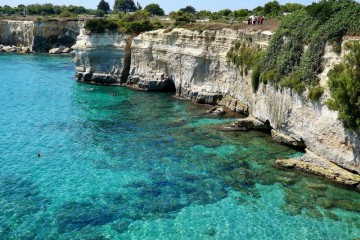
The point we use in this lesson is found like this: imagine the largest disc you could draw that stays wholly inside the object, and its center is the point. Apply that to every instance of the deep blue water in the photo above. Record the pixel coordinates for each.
(144, 165)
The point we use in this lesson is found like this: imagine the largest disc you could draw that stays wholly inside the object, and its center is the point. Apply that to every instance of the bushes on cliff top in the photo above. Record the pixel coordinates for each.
(344, 83)
(294, 56)
(137, 22)
(100, 25)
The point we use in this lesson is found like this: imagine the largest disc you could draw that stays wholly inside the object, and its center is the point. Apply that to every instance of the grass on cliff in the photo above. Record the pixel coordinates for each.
(344, 84)
(294, 56)
(246, 56)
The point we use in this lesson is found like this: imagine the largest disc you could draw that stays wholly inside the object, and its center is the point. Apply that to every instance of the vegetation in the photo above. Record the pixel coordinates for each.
(100, 25)
(104, 6)
(155, 9)
(182, 18)
(344, 84)
(126, 6)
(138, 22)
(43, 10)
(246, 56)
(188, 9)
(287, 62)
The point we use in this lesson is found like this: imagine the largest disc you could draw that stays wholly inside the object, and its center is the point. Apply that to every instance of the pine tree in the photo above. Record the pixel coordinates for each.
(103, 6)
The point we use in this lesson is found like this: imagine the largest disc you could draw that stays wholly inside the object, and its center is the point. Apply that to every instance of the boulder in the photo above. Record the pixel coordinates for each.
(67, 50)
(252, 123)
(9, 49)
(26, 50)
(286, 139)
(217, 110)
(57, 50)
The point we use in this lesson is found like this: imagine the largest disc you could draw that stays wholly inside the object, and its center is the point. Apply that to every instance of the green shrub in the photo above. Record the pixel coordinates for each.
(182, 18)
(100, 25)
(287, 63)
(344, 84)
(315, 93)
(65, 14)
(244, 55)
(138, 22)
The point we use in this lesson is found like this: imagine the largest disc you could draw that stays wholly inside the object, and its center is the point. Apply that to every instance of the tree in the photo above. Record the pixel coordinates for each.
(125, 6)
(272, 8)
(258, 10)
(188, 9)
(291, 7)
(241, 13)
(103, 6)
(155, 9)
(182, 18)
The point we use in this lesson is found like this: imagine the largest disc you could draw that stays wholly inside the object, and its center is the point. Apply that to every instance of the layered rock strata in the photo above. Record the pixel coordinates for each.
(102, 58)
(39, 36)
(195, 62)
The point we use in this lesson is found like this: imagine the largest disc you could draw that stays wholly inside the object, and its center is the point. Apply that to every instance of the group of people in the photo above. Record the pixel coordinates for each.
(256, 19)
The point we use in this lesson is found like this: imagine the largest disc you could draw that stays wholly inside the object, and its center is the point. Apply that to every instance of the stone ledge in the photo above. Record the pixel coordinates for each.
(315, 164)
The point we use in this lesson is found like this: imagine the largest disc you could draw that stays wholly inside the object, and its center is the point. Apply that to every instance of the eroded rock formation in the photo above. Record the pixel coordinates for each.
(195, 62)
(102, 58)
(39, 36)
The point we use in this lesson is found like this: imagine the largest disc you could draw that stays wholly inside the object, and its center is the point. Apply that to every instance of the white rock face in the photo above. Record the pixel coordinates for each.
(39, 36)
(102, 58)
(197, 65)
(20, 33)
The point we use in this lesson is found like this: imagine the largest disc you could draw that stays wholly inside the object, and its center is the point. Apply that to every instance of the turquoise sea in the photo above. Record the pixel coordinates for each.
(142, 165)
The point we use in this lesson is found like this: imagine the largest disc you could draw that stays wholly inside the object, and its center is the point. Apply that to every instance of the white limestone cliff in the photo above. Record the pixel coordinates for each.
(18, 33)
(102, 58)
(196, 64)
(39, 36)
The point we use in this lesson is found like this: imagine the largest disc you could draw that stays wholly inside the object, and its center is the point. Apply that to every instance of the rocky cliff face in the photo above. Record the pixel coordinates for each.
(18, 33)
(39, 35)
(196, 64)
(102, 58)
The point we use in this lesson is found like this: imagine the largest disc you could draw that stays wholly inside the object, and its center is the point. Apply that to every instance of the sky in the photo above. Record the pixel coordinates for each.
(167, 5)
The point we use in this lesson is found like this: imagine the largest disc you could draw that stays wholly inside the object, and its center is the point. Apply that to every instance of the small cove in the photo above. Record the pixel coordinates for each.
(142, 165)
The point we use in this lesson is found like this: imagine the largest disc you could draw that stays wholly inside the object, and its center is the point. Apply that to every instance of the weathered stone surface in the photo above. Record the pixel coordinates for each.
(313, 163)
(217, 110)
(196, 62)
(67, 50)
(9, 49)
(104, 57)
(19, 33)
(286, 139)
(235, 105)
(39, 36)
(251, 122)
(57, 50)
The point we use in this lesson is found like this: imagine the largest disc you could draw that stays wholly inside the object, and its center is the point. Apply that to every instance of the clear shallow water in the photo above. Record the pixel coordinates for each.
(145, 166)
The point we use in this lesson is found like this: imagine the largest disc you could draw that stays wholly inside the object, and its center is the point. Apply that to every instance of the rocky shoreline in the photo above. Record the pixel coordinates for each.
(193, 65)
(15, 49)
